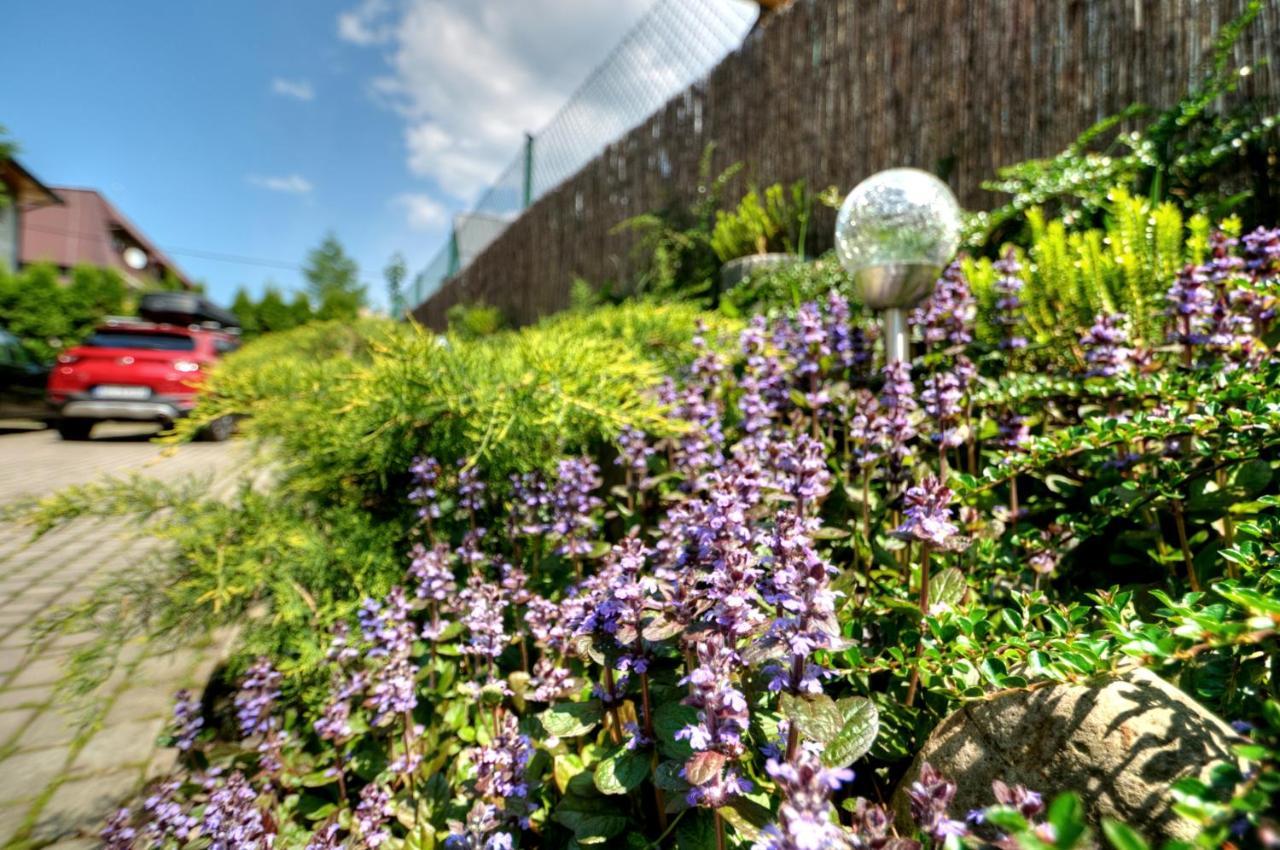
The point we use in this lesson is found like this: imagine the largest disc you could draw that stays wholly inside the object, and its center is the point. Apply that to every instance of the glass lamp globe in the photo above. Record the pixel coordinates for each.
(895, 233)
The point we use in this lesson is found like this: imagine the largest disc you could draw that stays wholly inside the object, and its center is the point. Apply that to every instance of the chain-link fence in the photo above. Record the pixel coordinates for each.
(676, 43)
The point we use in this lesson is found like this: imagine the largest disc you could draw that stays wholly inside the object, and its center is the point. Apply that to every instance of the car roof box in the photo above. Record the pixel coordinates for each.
(185, 308)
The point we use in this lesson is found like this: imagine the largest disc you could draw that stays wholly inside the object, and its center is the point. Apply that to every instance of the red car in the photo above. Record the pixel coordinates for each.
(137, 371)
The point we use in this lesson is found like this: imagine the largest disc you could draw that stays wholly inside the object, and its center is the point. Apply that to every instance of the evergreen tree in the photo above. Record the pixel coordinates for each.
(247, 312)
(333, 280)
(395, 273)
(273, 313)
(300, 309)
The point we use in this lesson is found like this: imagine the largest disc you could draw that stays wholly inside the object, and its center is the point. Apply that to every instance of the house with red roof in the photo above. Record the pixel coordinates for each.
(85, 228)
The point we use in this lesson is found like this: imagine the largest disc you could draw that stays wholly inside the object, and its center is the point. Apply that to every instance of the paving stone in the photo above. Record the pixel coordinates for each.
(11, 819)
(74, 844)
(10, 660)
(11, 698)
(12, 722)
(142, 703)
(79, 806)
(23, 776)
(118, 746)
(178, 666)
(57, 568)
(51, 728)
(46, 670)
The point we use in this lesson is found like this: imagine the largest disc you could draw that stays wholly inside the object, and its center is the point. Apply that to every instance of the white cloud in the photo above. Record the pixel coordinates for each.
(366, 24)
(293, 184)
(470, 77)
(424, 212)
(298, 89)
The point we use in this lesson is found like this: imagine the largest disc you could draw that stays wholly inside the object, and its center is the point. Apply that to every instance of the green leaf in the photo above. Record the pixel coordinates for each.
(565, 767)
(747, 817)
(1066, 813)
(856, 737)
(590, 820)
(571, 719)
(948, 587)
(668, 719)
(696, 831)
(1122, 836)
(817, 717)
(621, 772)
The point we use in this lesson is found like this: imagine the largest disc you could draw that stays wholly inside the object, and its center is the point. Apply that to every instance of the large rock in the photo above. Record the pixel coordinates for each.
(1118, 742)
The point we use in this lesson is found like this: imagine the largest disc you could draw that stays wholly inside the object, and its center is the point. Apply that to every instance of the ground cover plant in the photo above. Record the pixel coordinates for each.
(646, 577)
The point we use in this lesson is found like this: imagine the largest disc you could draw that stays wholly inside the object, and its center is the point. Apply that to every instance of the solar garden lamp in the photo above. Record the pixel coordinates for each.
(895, 232)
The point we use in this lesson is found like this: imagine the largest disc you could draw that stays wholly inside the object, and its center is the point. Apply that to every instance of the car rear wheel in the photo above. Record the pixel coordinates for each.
(74, 429)
(219, 430)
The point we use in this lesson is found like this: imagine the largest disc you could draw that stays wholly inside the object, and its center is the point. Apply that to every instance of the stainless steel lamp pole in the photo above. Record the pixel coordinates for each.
(895, 232)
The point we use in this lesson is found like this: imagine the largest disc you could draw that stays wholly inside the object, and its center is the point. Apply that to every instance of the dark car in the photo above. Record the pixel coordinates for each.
(22, 381)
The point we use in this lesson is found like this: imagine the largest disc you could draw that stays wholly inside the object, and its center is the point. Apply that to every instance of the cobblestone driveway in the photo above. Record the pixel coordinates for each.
(60, 774)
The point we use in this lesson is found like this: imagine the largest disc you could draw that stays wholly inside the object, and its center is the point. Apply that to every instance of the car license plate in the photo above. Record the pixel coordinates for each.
(121, 392)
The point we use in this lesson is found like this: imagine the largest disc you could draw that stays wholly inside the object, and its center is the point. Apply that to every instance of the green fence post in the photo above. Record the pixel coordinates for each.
(528, 171)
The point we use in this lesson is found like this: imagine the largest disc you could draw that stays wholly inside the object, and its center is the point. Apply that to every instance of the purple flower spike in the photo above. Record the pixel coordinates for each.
(1106, 348)
(371, 816)
(928, 514)
(187, 720)
(1008, 287)
(895, 427)
(425, 493)
(930, 796)
(232, 819)
(257, 698)
(805, 816)
(574, 505)
(947, 315)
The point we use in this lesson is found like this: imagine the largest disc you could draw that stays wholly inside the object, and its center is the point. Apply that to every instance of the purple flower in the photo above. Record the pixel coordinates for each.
(947, 315)
(798, 586)
(500, 766)
(943, 397)
(930, 796)
(232, 819)
(119, 833)
(764, 381)
(1106, 348)
(805, 819)
(927, 517)
(573, 505)
(1013, 432)
(1028, 803)
(895, 429)
(1262, 254)
(371, 816)
(470, 487)
(723, 718)
(479, 832)
(432, 570)
(1190, 307)
(387, 628)
(426, 477)
(634, 452)
(531, 500)
(164, 815)
(325, 838)
(871, 829)
(802, 468)
(551, 683)
(256, 699)
(187, 720)
(485, 604)
(1008, 287)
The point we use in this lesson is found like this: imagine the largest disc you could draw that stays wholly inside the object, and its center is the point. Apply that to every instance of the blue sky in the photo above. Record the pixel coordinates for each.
(253, 127)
